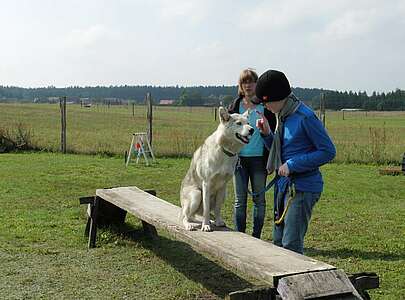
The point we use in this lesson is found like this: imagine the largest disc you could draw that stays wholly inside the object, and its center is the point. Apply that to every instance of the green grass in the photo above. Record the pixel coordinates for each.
(357, 225)
(372, 137)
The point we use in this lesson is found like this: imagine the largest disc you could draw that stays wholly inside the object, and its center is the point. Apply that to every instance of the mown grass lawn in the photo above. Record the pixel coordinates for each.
(358, 225)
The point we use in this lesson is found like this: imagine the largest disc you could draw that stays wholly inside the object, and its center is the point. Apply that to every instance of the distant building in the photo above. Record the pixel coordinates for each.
(351, 109)
(167, 102)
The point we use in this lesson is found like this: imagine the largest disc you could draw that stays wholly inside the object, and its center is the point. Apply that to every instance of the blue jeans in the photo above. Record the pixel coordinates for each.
(253, 168)
(290, 234)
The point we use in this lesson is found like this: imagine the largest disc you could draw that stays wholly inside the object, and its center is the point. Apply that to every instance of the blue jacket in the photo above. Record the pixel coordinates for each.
(305, 146)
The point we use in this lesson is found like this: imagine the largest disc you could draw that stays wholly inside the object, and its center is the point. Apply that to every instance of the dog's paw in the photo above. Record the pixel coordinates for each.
(206, 227)
(189, 226)
(220, 223)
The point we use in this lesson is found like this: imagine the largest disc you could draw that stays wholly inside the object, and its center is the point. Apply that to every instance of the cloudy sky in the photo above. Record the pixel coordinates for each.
(333, 44)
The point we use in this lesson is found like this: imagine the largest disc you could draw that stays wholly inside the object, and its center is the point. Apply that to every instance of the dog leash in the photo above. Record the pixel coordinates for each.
(290, 189)
(269, 186)
(291, 192)
(264, 190)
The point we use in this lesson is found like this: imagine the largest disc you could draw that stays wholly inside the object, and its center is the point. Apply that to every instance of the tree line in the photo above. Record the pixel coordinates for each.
(394, 100)
(203, 95)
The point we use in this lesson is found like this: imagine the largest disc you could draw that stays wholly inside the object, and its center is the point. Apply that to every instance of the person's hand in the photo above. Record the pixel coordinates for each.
(263, 124)
(283, 170)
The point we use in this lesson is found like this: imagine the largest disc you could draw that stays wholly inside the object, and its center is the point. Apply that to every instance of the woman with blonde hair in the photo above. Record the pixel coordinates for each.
(253, 156)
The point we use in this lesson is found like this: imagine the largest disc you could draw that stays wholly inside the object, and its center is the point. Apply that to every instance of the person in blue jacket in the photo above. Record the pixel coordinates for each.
(298, 147)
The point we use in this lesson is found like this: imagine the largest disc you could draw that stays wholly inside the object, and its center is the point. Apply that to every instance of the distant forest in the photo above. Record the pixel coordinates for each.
(199, 95)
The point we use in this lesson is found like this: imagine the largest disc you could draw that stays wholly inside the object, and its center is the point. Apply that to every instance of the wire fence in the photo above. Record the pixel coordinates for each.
(372, 137)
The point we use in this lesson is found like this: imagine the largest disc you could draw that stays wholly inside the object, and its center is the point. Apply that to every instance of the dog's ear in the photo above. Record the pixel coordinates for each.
(246, 114)
(223, 114)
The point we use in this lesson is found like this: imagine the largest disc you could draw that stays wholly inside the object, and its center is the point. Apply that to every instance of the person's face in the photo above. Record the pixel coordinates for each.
(249, 88)
(275, 106)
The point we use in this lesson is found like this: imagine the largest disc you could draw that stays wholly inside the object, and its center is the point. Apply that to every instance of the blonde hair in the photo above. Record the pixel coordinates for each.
(247, 75)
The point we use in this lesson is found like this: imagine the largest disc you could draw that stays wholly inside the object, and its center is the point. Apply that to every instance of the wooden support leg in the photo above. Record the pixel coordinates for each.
(103, 213)
(87, 229)
(152, 192)
(262, 293)
(109, 214)
(93, 223)
(149, 229)
(89, 201)
(363, 282)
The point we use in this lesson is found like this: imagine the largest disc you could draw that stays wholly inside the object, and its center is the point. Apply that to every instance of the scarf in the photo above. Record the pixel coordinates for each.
(274, 160)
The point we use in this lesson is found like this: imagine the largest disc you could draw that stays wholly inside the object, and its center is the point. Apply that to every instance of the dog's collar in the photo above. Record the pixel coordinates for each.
(228, 153)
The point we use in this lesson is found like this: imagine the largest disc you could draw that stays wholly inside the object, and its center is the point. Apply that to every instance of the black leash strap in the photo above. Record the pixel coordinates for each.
(267, 187)
(264, 190)
(273, 181)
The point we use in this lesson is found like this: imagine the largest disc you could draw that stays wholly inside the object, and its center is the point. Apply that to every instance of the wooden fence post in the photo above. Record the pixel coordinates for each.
(322, 108)
(403, 164)
(149, 116)
(62, 105)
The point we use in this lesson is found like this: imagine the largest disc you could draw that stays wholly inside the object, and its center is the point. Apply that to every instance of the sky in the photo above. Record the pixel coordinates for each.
(331, 44)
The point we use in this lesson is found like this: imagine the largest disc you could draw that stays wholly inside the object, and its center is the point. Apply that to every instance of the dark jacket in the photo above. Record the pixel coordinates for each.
(234, 108)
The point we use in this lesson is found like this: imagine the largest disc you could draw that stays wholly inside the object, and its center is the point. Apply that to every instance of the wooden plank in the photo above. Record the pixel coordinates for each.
(254, 257)
(317, 285)
(391, 171)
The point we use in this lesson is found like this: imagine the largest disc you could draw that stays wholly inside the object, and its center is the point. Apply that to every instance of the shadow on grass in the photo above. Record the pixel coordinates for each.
(184, 259)
(347, 253)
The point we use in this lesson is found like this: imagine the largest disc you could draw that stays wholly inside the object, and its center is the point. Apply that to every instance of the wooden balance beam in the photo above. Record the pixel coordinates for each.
(295, 276)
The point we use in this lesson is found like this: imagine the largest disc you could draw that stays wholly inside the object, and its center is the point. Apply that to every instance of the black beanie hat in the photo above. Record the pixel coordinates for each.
(272, 86)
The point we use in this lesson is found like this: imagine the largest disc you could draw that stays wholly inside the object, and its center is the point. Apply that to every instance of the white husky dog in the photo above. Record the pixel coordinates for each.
(213, 164)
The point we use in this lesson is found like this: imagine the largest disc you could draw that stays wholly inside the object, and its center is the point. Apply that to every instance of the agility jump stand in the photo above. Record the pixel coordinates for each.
(140, 146)
(282, 274)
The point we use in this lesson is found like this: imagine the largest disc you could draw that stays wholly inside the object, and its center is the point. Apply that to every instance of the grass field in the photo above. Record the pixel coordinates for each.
(358, 225)
(365, 137)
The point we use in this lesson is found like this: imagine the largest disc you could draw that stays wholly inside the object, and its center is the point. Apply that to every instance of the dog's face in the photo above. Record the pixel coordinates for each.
(236, 126)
